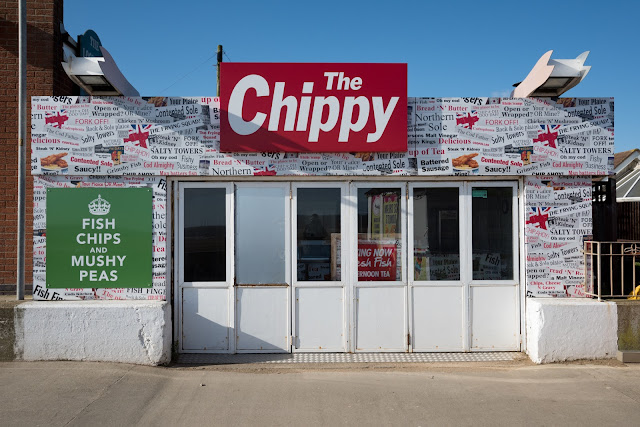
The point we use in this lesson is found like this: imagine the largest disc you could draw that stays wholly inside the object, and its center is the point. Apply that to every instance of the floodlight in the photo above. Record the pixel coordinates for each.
(552, 77)
(98, 75)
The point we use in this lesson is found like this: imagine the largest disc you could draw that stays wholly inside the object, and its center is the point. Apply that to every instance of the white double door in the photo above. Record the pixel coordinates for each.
(336, 267)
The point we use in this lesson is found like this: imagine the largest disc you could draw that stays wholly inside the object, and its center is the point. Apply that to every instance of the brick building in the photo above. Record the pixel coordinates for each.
(45, 76)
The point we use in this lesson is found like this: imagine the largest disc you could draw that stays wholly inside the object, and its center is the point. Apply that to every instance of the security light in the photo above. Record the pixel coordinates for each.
(93, 80)
(98, 75)
(552, 77)
(96, 85)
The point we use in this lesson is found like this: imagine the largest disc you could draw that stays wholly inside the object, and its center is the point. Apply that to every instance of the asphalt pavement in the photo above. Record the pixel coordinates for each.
(499, 393)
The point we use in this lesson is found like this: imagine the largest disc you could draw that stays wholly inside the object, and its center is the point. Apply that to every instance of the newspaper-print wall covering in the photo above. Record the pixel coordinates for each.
(159, 271)
(447, 136)
(133, 142)
(558, 220)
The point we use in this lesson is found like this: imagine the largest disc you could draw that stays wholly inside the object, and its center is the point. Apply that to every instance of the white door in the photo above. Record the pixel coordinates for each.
(205, 294)
(463, 287)
(323, 266)
(438, 283)
(319, 295)
(493, 261)
(262, 267)
(378, 266)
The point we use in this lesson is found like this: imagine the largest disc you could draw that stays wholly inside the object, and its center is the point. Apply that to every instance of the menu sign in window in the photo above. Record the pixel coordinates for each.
(99, 238)
(377, 261)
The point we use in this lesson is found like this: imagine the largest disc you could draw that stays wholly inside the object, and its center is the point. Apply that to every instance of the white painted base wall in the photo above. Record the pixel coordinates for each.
(571, 329)
(110, 331)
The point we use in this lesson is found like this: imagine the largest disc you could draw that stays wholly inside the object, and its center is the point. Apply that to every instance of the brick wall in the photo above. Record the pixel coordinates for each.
(45, 76)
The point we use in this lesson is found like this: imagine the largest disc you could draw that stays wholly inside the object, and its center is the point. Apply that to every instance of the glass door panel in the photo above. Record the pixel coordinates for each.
(205, 240)
(261, 242)
(492, 235)
(318, 234)
(436, 233)
(379, 234)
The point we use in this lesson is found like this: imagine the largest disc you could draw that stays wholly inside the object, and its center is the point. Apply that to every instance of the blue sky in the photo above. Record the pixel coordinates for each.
(452, 48)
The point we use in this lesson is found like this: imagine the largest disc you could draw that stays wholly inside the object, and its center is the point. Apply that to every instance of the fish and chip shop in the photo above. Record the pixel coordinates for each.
(317, 208)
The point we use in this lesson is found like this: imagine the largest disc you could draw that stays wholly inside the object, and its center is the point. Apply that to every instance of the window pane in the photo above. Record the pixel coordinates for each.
(379, 238)
(635, 190)
(492, 233)
(436, 234)
(260, 235)
(624, 185)
(318, 234)
(205, 242)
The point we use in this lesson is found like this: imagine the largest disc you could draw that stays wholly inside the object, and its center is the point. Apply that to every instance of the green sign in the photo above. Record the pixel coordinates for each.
(99, 237)
(479, 192)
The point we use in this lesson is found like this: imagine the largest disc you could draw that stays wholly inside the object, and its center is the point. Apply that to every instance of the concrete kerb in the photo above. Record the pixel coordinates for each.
(140, 332)
(629, 325)
(8, 327)
(136, 332)
(564, 329)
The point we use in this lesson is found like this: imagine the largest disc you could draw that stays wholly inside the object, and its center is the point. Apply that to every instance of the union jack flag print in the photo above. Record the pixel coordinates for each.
(539, 217)
(548, 134)
(268, 171)
(139, 134)
(56, 118)
(467, 120)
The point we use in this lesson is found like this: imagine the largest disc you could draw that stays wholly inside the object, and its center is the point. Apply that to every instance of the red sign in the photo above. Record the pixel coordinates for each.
(313, 107)
(377, 261)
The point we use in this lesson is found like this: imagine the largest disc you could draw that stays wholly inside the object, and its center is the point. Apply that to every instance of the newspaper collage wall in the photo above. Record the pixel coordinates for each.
(121, 141)
(447, 136)
(558, 221)
(159, 269)
(493, 136)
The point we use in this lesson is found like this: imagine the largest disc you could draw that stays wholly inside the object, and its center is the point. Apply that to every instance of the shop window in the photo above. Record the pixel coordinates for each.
(436, 234)
(261, 235)
(204, 235)
(492, 235)
(379, 234)
(318, 234)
